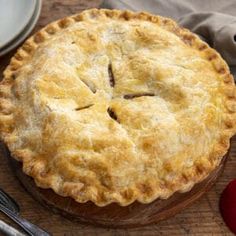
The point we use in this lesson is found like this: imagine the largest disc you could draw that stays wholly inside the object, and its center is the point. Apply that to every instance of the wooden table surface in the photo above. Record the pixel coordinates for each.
(202, 218)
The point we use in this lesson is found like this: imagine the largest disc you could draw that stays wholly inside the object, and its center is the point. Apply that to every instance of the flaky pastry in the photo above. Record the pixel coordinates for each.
(116, 106)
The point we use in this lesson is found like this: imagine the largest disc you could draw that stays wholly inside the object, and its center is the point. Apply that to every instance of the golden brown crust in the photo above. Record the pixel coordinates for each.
(144, 192)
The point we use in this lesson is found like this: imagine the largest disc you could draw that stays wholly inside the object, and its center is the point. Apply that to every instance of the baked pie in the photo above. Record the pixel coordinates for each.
(116, 106)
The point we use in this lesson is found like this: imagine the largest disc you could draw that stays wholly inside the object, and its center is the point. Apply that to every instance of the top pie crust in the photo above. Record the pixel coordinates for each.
(116, 106)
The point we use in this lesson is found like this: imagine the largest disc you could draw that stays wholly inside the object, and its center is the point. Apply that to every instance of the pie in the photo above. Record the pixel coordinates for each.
(116, 106)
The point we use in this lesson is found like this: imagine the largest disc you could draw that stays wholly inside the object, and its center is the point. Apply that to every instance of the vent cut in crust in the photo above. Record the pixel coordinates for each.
(116, 106)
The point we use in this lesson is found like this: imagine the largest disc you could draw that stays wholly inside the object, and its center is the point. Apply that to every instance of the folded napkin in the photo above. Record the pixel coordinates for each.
(213, 20)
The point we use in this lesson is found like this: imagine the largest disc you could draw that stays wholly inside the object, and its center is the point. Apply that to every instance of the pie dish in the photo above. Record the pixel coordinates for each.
(116, 106)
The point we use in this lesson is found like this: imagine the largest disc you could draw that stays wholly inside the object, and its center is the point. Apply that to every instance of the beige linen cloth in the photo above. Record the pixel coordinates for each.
(212, 20)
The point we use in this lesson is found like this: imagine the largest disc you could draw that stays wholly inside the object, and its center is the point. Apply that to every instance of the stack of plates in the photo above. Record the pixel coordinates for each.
(17, 20)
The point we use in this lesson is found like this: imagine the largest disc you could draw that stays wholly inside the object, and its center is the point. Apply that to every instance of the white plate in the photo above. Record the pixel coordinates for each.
(14, 16)
(25, 32)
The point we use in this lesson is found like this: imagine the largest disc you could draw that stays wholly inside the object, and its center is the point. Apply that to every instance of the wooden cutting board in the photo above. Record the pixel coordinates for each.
(202, 218)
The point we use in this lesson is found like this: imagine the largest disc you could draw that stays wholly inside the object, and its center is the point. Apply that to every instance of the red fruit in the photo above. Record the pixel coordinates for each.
(228, 205)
